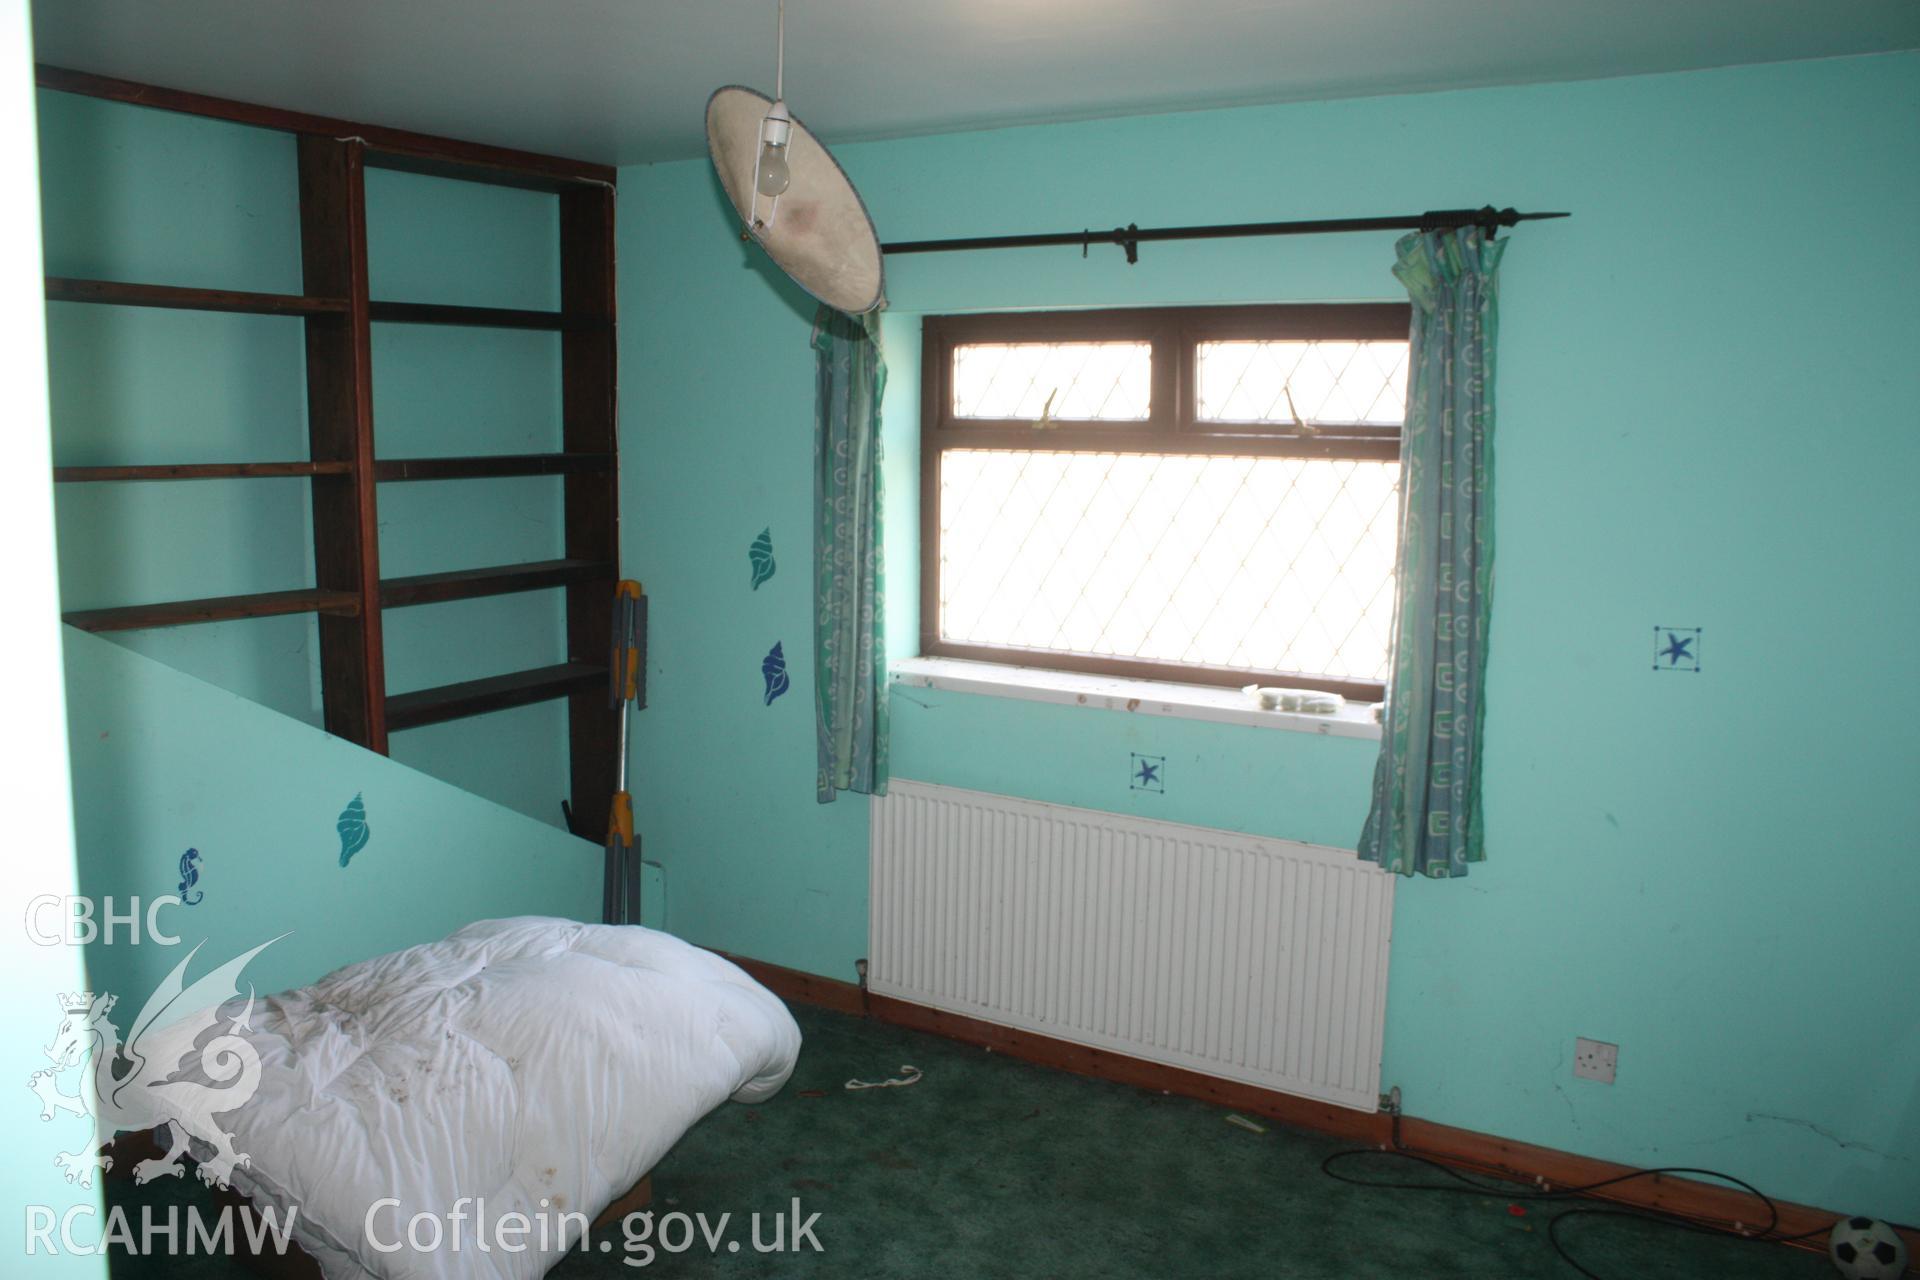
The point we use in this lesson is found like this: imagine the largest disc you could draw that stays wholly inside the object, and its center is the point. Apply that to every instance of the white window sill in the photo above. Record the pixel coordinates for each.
(1110, 693)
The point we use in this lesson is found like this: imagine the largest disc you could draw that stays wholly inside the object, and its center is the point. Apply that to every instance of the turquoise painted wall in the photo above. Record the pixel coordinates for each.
(164, 762)
(134, 194)
(1706, 418)
(33, 788)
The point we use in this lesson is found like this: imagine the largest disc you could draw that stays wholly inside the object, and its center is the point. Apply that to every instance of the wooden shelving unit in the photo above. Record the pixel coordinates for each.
(344, 469)
(179, 613)
(484, 467)
(495, 693)
(475, 317)
(203, 471)
(68, 289)
(467, 584)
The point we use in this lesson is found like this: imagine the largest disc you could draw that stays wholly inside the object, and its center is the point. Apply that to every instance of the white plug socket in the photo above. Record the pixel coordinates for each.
(1595, 1059)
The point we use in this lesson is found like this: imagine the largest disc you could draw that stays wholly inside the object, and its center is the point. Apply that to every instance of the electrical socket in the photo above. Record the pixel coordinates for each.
(1595, 1059)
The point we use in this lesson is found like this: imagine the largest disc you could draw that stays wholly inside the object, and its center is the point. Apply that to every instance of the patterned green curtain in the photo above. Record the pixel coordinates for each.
(1426, 786)
(849, 570)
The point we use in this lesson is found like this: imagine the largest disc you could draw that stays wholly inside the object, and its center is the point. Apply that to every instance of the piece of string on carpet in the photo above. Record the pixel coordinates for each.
(908, 1075)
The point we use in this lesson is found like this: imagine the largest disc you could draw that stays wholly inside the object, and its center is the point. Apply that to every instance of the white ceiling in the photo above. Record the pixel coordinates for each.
(625, 81)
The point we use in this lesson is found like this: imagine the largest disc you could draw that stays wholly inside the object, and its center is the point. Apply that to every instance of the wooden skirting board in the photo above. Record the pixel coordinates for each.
(1463, 1148)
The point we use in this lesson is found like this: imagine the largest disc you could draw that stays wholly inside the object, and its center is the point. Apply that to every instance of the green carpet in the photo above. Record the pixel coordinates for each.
(990, 1167)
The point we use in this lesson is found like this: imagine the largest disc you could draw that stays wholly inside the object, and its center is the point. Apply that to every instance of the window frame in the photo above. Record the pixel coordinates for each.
(1171, 427)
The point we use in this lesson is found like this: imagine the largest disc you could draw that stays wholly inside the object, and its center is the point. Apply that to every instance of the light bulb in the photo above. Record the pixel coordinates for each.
(772, 176)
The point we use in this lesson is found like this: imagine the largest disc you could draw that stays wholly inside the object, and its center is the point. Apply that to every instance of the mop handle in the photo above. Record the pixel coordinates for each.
(620, 822)
(626, 656)
(626, 683)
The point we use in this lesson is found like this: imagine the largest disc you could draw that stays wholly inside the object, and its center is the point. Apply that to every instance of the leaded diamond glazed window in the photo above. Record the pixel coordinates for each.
(1206, 494)
(1091, 381)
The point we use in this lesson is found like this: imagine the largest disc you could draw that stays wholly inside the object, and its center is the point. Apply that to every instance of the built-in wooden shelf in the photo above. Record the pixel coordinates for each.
(121, 293)
(443, 159)
(203, 471)
(386, 148)
(175, 613)
(489, 465)
(337, 313)
(495, 693)
(499, 580)
(481, 317)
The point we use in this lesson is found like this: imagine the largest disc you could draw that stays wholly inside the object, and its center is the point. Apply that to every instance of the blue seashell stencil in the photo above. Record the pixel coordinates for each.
(190, 876)
(352, 827)
(761, 553)
(774, 668)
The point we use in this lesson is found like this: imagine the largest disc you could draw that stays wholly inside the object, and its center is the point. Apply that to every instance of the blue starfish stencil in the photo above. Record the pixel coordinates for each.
(761, 554)
(1676, 649)
(774, 668)
(353, 830)
(1149, 773)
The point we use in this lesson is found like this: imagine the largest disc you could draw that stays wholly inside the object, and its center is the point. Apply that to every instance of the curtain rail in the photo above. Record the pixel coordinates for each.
(1131, 237)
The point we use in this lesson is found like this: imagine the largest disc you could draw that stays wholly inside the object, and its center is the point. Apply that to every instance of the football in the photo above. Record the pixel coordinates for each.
(1866, 1249)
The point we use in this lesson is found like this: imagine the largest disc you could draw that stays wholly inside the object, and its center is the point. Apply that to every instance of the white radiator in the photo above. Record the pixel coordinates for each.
(1257, 960)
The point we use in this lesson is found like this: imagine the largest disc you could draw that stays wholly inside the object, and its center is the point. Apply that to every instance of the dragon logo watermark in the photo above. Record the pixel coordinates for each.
(183, 1063)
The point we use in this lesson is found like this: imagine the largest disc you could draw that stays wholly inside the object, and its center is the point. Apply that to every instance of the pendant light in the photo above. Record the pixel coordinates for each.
(792, 197)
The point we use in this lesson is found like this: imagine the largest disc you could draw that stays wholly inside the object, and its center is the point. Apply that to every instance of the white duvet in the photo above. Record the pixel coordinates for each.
(534, 1066)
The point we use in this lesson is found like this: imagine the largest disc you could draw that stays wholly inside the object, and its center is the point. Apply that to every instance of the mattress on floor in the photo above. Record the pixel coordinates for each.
(530, 1066)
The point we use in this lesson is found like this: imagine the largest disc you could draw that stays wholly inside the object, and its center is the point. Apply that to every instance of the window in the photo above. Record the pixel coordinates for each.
(1200, 494)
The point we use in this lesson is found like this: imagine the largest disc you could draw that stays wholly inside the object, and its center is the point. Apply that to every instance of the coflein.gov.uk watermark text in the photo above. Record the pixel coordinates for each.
(469, 1227)
(172, 1231)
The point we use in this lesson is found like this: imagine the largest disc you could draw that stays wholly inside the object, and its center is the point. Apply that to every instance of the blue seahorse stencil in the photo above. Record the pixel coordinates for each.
(761, 554)
(774, 668)
(353, 830)
(190, 876)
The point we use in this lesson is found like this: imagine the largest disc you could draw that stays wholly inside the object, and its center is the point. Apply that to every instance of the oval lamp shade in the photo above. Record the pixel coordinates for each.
(821, 234)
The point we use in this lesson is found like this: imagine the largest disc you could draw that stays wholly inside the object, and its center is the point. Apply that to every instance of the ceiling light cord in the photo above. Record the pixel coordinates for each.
(769, 176)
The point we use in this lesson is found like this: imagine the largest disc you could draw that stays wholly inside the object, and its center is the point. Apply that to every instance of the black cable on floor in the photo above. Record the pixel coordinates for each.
(1468, 1186)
